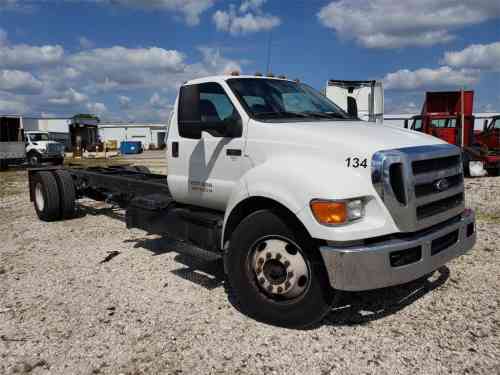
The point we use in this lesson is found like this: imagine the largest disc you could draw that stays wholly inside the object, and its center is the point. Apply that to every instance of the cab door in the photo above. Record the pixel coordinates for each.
(445, 129)
(205, 154)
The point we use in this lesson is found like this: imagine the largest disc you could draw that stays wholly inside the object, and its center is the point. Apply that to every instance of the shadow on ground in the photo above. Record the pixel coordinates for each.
(206, 269)
(97, 209)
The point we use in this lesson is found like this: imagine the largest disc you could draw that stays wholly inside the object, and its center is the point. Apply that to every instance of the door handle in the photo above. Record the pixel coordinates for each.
(175, 149)
(233, 152)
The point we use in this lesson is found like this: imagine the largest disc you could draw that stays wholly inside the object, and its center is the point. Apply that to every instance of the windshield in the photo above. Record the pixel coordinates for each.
(271, 99)
(39, 137)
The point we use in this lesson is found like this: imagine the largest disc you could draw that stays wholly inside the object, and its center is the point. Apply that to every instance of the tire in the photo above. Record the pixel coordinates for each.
(46, 196)
(299, 311)
(142, 169)
(67, 193)
(58, 161)
(465, 161)
(3, 165)
(34, 159)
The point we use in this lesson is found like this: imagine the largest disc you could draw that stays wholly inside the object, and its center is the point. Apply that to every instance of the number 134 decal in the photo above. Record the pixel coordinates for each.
(356, 163)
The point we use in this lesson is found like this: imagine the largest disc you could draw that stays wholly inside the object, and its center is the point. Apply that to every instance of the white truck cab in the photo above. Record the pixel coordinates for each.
(299, 198)
(40, 148)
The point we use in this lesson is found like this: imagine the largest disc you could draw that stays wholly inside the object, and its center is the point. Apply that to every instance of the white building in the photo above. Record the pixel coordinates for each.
(151, 135)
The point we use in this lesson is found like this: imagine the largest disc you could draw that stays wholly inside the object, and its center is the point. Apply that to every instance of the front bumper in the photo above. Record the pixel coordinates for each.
(373, 266)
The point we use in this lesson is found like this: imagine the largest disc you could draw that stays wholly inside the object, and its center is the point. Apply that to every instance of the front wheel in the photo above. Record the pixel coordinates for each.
(277, 273)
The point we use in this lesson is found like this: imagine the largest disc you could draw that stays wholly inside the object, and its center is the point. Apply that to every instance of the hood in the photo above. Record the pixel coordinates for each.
(354, 135)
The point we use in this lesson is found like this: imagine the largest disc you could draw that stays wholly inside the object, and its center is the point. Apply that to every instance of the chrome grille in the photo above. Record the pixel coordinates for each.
(420, 186)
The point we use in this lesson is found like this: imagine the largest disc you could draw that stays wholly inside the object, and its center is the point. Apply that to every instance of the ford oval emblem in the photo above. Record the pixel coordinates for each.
(442, 185)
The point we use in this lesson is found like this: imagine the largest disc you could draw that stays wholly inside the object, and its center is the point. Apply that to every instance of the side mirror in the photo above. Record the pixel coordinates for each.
(352, 107)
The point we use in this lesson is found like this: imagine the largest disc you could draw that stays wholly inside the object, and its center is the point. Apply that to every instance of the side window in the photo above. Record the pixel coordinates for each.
(417, 124)
(497, 124)
(206, 107)
(438, 123)
(452, 123)
(214, 103)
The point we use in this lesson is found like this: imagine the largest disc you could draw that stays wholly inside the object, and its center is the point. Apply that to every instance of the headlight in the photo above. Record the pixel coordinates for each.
(330, 212)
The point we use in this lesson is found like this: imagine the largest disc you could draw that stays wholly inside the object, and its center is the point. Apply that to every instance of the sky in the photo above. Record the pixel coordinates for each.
(125, 59)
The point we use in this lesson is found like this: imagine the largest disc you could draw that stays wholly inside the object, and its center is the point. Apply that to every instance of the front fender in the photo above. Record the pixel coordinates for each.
(292, 183)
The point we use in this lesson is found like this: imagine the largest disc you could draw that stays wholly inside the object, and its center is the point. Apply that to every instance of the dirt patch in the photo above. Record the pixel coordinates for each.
(88, 296)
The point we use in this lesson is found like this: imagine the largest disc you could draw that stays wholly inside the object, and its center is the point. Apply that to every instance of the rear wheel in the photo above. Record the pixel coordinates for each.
(34, 159)
(46, 196)
(277, 273)
(67, 193)
(58, 161)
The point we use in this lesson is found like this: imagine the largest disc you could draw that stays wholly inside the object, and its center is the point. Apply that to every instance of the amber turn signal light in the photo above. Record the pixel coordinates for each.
(329, 212)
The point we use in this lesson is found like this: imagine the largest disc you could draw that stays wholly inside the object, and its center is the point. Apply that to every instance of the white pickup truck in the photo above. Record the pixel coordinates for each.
(40, 148)
(300, 199)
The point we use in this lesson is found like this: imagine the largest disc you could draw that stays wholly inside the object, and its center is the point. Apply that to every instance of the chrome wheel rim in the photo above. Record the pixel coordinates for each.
(39, 200)
(280, 268)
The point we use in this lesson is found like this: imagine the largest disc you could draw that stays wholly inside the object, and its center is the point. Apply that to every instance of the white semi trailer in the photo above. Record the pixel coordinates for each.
(299, 198)
(363, 99)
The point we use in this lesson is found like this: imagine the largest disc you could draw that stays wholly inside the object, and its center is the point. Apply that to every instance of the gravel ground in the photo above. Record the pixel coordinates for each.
(88, 296)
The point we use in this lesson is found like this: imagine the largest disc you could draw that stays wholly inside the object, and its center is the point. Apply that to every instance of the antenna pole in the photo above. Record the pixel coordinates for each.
(269, 41)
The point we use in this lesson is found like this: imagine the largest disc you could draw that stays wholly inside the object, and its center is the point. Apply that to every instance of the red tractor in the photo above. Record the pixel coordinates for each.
(442, 116)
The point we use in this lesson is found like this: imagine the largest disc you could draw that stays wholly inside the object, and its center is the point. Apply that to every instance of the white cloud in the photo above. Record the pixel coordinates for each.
(68, 98)
(424, 78)
(3, 37)
(97, 108)
(248, 18)
(82, 81)
(19, 82)
(13, 106)
(124, 101)
(155, 100)
(395, 23)
(23, 55)
(128, 66)
(254, 5)
(477, 56)
(215, 63)
(14, 5)
(190, 9)
(85, 43)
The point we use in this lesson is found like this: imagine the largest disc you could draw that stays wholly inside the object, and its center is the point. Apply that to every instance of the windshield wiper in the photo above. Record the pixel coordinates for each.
(282, 114)
(325, 114)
